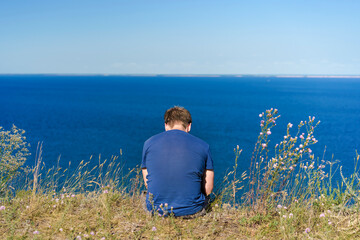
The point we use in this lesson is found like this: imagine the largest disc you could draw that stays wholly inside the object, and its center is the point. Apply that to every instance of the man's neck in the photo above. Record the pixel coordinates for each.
(177, 127)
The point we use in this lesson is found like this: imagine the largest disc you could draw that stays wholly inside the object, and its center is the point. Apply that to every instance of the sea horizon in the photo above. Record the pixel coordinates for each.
(352, 76)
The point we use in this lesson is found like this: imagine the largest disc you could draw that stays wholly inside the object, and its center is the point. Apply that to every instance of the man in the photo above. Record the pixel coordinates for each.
(177, 168)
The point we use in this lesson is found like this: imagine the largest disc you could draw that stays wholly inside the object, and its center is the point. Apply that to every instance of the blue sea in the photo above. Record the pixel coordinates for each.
(81, 116)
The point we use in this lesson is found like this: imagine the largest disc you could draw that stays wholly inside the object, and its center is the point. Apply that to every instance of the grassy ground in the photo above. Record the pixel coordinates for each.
(116, 215)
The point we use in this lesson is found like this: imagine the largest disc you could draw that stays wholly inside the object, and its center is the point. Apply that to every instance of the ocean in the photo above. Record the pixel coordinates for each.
(81, 116)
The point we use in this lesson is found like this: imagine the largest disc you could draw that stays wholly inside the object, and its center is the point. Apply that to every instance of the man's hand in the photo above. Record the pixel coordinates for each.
(208, 182)
(145, 173)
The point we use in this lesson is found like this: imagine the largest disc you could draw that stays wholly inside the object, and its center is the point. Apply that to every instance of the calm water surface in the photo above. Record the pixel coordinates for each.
(80, 116)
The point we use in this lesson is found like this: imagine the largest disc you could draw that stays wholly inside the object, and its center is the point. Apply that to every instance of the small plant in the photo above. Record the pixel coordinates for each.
(351, 194)
(13, 153)
(231, 184)
(291, 172)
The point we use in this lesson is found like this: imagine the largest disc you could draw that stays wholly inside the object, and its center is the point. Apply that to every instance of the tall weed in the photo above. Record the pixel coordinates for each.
(13, 153)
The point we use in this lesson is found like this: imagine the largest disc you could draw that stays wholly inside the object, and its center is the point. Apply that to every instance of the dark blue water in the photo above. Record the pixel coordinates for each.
(80, 116)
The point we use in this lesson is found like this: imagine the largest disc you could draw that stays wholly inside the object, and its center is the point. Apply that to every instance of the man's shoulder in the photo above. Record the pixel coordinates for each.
(198, 140)
(195, 141)
(154, 138)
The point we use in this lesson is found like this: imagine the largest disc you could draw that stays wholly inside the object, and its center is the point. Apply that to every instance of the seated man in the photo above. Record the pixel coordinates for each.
(177, 168)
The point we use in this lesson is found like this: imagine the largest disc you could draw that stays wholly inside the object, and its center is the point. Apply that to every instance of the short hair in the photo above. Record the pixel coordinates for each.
(177, 114)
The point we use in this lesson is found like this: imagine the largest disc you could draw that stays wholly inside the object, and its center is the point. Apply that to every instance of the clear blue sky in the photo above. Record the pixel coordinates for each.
(180, 36)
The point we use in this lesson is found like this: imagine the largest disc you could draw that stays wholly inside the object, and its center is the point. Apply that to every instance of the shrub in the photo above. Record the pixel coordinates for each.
(13, 152)
(291, 172)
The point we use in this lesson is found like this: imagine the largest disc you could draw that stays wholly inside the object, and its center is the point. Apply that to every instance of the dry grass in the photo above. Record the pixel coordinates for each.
(115, 215)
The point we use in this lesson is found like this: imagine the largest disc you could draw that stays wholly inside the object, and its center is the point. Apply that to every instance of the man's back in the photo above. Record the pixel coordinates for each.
(175, 161)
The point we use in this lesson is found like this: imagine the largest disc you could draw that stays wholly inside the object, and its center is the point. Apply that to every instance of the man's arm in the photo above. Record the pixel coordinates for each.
(208, 181)
(145, 173)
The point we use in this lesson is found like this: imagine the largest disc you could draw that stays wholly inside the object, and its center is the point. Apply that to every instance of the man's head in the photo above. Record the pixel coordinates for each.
(177, 118)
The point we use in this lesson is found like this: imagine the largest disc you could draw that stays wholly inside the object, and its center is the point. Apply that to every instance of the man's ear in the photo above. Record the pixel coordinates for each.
(166, 127)
(188, 128)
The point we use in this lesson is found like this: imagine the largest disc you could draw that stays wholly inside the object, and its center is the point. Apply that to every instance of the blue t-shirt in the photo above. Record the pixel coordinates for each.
(175, 161)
